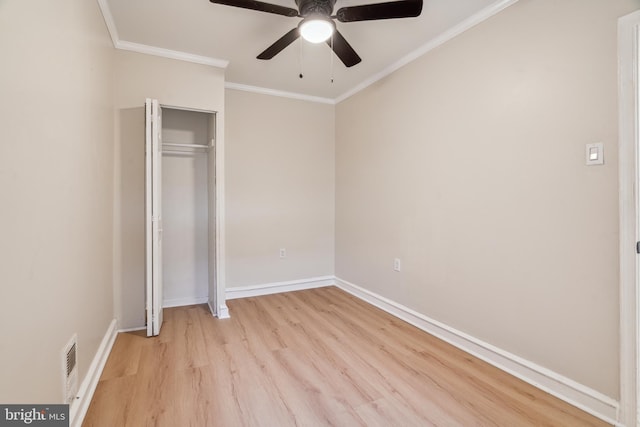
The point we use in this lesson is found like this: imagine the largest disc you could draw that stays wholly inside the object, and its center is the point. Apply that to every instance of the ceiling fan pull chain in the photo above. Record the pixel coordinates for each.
(331, 53)
(300, 59)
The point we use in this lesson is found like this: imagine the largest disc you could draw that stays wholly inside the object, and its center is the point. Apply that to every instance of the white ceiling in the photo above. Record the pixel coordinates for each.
(236, 35)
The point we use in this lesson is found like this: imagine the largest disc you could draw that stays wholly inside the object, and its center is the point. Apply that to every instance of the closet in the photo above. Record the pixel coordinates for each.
(180, 209)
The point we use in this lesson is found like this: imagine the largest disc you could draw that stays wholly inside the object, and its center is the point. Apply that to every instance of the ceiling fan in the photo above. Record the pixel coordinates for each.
(317, 24)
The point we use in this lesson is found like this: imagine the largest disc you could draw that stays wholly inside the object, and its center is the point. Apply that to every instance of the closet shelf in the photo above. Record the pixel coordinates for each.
(173, 144)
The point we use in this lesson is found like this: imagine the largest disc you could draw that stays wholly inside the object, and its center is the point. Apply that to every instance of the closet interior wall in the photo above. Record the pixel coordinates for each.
(185, 207)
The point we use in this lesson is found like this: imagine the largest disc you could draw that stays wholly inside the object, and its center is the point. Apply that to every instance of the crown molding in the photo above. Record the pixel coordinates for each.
(153, 50)
(280, 93)
(465, 25)
(171, 54)
(108, 20)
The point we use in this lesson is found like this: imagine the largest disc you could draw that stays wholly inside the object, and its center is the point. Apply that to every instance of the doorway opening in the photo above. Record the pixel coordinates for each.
(181, 211)
(186, 148)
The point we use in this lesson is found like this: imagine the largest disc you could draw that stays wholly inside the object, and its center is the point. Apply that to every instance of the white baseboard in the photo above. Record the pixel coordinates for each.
(278, 287)
(137, 328)
(564, 388)
(222, 313)
(179, 302)
(79, 407)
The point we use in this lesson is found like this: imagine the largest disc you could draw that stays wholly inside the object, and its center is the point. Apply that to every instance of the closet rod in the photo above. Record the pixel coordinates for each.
(172, 144)
(184, 153)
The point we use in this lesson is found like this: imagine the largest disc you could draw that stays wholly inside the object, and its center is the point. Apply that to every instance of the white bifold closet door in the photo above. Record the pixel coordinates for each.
(212, 219)
(153, 216)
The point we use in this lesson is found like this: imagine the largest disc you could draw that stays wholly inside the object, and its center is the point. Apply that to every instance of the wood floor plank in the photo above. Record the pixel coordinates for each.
(464, 369)
(380, 357)
(102, 405)
(188, 339)
(125, 357)
(319, 357)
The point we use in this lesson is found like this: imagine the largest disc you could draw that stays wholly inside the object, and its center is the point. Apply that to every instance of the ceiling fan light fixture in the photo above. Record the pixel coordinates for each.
(316, 29)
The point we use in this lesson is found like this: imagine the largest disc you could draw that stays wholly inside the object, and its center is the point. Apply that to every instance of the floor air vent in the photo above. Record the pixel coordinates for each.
(70, 370)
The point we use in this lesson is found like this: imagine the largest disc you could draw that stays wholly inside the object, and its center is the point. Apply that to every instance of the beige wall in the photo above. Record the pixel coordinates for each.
(469, 165)
(172, 83)
(279, 189)
(56, 194)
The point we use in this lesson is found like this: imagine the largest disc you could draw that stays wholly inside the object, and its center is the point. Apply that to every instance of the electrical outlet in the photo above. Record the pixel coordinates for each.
(283, 253)
(396, 264)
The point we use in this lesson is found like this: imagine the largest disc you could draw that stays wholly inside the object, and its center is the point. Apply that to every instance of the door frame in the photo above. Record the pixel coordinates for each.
(629, 194)
(217, 302)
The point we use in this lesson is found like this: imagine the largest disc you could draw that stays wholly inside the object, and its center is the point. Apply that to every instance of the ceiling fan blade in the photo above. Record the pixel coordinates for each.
(389, 10)
(260, 6)
(343, 50)
(280, 44)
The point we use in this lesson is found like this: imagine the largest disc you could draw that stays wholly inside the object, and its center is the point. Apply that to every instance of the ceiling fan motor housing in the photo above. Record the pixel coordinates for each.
(315, 7)
(321, 10)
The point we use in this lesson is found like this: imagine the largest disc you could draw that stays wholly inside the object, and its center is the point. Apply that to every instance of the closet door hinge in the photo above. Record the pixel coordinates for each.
(638, 247)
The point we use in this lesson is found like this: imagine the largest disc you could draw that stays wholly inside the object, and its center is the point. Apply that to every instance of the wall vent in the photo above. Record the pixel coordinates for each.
(70, 370)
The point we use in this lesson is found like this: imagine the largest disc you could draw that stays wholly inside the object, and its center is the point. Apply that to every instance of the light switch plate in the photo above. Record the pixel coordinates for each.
(595, 154)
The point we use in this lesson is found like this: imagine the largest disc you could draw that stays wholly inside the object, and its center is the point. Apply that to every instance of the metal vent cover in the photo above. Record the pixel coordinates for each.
(70, 370)
(71, 358)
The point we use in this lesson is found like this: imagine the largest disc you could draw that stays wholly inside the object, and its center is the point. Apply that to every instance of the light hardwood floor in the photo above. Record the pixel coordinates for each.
(310, 358)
